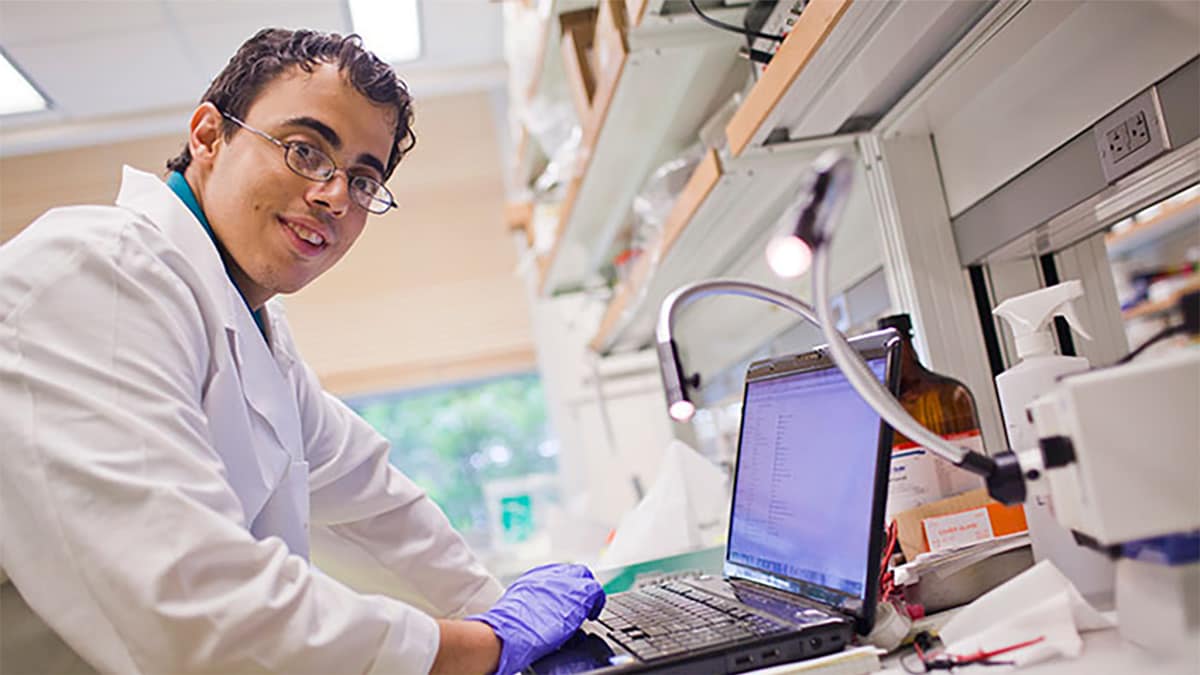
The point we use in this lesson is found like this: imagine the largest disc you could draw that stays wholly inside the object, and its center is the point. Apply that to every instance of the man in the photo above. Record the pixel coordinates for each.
(164, 452)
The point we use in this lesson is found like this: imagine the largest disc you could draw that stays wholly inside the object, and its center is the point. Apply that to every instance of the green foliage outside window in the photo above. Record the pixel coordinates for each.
(451, 440)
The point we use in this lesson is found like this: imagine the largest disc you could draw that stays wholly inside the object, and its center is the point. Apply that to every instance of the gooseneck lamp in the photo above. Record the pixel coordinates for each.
(810, 237)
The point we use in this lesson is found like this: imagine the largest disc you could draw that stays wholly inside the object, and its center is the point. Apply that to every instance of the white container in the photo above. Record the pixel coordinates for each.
(1031, 317)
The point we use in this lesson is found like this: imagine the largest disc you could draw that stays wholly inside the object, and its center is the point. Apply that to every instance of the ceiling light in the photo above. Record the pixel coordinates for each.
(17, 94)
(390, 28)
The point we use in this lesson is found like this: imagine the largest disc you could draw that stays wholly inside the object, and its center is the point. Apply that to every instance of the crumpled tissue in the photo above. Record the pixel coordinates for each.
(1039, 602)
(685, 510)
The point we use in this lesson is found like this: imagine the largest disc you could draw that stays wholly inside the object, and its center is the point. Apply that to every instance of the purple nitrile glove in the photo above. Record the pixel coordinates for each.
(540, 611)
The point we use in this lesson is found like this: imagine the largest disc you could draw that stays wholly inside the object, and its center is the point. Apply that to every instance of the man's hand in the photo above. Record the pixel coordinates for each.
(540, 611)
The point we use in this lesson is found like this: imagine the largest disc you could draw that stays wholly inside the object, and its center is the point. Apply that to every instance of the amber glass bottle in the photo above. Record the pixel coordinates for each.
(945, 406)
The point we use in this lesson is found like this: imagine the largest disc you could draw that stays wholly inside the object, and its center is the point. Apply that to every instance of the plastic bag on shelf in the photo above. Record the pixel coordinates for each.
(654, 203)
(555, 128)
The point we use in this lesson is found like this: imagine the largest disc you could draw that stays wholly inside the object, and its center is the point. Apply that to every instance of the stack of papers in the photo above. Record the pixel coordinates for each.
(950, 561)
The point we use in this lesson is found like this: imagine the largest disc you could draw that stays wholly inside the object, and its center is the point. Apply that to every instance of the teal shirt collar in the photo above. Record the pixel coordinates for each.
(180, 187)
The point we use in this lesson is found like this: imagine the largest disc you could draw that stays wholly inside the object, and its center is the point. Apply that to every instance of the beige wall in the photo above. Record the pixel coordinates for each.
(427, 294)
(32, 184)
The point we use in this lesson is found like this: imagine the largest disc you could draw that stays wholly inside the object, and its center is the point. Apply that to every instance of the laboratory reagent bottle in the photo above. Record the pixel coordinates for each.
(944, 406)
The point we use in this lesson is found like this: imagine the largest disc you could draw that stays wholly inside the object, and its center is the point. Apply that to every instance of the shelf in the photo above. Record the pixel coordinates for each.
(719, 226)
(844, 64)
(1172, 217)
(545, 77)
(529, 162)
(547, 71)
(655, 85)
(1149, 308)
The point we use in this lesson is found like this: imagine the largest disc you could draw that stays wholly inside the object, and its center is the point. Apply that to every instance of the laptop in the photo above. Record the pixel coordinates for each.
(805, 531)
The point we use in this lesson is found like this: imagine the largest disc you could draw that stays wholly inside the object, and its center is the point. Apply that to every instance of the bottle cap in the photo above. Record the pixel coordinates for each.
(1030, 315)
(901, 322)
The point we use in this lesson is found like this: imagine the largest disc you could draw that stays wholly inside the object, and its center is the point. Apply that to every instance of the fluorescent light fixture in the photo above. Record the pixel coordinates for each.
(390, 28)
(17, 94)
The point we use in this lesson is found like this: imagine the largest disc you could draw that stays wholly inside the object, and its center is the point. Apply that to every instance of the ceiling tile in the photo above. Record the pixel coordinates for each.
(37, 22)
(113, 74)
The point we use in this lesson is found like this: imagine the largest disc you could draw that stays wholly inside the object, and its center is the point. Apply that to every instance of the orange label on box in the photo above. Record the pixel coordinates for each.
(957, 529)
(967, 527)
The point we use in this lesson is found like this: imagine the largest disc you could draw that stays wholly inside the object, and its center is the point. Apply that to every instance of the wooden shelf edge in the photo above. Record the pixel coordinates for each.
(606, 88)
(575, 46)
(606, 83)
(636, 9)
(812, 28)
(1116, 238)
(699, 186)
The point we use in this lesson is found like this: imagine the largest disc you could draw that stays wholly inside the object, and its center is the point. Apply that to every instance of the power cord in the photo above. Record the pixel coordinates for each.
(1190, 303)
(730, 27)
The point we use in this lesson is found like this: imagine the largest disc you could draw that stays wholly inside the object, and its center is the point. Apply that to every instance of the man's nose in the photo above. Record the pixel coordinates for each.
(332, 195)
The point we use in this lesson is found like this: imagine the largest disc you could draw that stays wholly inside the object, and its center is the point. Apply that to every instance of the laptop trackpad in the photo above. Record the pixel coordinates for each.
(584, 652)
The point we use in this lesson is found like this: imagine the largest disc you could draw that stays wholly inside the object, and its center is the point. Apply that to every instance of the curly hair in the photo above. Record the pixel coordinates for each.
(273, 50)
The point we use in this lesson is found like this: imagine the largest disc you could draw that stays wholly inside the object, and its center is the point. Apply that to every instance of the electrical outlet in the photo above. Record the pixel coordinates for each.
(1139, 132)
(1116, 142)
(1131, 135)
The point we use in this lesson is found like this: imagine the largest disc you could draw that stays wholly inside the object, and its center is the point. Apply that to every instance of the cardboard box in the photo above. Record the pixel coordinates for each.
(976, 515)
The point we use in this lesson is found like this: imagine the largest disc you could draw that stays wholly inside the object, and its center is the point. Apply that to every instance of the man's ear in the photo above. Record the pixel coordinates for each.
(205, 135)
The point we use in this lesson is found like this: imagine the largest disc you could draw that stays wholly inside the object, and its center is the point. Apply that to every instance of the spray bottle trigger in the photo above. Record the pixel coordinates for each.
(1068, 312)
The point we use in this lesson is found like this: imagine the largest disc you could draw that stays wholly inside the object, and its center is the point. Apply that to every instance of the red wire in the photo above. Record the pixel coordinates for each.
(981, 655)
(886, 579)
(920, 652)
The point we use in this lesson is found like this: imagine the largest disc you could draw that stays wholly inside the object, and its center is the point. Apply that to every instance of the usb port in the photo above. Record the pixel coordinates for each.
(770, 654)
(743, 660)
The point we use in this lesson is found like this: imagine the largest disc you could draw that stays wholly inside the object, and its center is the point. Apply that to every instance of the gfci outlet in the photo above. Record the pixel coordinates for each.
(1131, 135)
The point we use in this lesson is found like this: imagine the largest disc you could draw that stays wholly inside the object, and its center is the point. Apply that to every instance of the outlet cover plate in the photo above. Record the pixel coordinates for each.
(1131, 135)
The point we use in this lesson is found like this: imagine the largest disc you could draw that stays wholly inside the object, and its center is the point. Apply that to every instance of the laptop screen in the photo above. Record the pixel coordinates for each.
(805, 486)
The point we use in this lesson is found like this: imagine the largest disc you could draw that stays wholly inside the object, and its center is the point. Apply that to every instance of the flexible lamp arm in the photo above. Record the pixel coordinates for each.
(826, 194)
(848, 360)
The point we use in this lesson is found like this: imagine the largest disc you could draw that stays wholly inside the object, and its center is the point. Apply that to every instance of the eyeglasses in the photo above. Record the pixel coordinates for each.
(308, 161)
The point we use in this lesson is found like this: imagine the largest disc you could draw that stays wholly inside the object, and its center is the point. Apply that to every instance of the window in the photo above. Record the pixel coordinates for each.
(482, 451)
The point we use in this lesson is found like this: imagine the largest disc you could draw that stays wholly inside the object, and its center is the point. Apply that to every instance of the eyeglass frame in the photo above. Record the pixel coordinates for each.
(288, 146)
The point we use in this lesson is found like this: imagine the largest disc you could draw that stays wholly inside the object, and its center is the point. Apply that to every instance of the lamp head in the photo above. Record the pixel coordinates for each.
(789, 256)
(679, 407)
(682, 410)
(790, 253)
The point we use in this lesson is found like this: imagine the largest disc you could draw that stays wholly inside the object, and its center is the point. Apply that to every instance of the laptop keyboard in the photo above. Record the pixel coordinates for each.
(674, 618)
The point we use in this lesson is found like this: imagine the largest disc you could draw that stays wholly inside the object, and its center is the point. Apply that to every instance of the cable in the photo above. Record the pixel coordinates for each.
(1189, 304)
(1169, 331)
(887, 582)
(730, 27)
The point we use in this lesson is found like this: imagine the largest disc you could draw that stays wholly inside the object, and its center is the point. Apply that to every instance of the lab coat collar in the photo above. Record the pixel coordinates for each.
(148, 195)
(266, 392)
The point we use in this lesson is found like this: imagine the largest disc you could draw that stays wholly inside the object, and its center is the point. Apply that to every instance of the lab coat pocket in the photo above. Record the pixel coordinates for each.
(285, 515)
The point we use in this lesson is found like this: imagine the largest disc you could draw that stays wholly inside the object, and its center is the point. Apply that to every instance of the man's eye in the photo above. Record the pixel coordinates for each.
(307, 155)
(364, 183)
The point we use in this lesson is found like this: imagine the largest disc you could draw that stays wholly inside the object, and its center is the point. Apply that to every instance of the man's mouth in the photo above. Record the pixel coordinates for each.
(309, 241)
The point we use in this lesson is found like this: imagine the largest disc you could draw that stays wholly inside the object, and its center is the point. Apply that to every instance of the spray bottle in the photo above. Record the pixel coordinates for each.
(1031, 317)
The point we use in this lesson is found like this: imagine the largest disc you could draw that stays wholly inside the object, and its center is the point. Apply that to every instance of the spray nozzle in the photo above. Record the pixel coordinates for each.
(1029, 316)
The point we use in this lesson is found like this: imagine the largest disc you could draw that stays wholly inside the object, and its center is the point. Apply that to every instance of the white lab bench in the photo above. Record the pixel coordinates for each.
(1104, 651)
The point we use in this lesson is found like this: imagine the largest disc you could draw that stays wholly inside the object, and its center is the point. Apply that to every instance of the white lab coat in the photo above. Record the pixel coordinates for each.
(159, 465)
